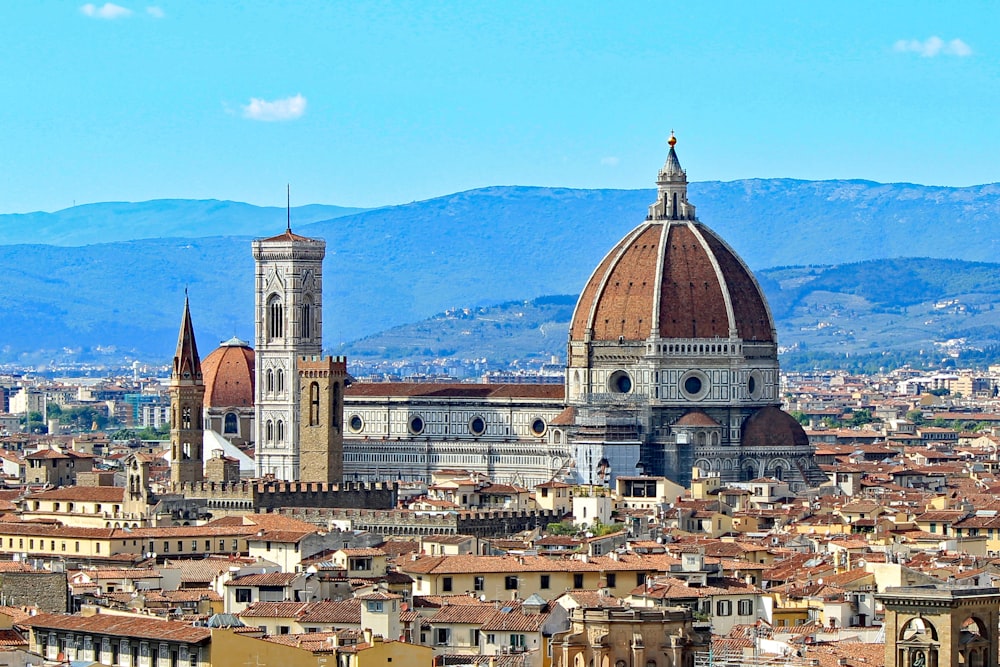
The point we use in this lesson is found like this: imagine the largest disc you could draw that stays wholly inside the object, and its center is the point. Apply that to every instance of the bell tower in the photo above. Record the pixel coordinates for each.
(187, 398)
(288, 292)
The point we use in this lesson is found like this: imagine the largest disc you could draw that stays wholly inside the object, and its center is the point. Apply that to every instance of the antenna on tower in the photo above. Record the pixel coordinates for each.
(288, 187)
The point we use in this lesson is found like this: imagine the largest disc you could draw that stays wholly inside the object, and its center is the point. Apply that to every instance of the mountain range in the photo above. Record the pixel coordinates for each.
(109, 284)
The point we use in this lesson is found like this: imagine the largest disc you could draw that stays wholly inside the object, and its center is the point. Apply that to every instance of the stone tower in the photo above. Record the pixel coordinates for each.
(321, 434)
(289, 324)
(187, 397)
(940, 625)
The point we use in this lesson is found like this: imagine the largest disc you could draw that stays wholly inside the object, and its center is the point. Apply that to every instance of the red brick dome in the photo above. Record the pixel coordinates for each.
(771, 427)
(672, 279)
(229, 375)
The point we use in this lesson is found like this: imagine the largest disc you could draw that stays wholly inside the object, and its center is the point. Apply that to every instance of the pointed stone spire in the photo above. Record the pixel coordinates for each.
(671, 185)
(187, 364)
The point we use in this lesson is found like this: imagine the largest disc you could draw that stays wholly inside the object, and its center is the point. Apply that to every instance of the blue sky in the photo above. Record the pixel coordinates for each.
(371, 103)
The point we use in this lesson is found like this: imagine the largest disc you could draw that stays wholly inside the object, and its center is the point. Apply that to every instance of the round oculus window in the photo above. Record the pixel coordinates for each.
(416, 425)
(694, 385)
(538, 426)
(755, 385)
(356, 423)
(620, 382)
(752, 385)
(477, 426)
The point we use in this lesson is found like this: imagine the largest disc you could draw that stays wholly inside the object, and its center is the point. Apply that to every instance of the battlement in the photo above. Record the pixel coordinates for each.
(315, 365)
(409, 522)
(271, 496)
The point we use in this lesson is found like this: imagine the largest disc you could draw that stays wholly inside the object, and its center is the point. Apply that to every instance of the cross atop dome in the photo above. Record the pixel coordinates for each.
(671, 184)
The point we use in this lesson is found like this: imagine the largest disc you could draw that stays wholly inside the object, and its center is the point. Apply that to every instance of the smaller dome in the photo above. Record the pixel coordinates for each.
(697, 418)
(772, 427)
(229, 375)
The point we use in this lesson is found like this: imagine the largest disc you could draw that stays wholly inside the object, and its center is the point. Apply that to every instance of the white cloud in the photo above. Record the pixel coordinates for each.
(285, 109)
(933, 46)
(106, 11)
(155, 12)
(609, 161)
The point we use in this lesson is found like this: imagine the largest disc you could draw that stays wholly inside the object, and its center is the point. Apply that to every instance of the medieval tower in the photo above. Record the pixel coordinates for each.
(187, 396)
(321, 435)
(288, 318)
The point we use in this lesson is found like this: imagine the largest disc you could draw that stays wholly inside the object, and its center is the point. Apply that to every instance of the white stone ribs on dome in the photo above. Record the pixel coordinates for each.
(658, 281)
(753, 279)
(726, 296)
(621, 249)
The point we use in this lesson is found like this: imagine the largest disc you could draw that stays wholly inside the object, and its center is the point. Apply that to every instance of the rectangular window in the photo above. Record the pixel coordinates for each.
(491, 639)
(180, 545)
(474, 638)
(194, 545)
(510, 582)
(640, 578)
(612, 579)
(441, 636)
(578, 581)
(243, 595)
(517, 641)
(284, 630)
(745, 607)
(446, 584)
(479, 584)
(723, 608)
(544, 583)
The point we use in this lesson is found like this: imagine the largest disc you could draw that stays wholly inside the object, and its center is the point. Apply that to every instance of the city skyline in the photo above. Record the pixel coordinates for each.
(386, 103)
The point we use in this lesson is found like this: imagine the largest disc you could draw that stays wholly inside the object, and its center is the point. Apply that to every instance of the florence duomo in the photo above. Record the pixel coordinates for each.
(519, 377)
(671, 366)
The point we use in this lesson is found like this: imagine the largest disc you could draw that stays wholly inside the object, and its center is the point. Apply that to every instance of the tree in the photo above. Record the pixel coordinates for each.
(915, 416)
(860, 417)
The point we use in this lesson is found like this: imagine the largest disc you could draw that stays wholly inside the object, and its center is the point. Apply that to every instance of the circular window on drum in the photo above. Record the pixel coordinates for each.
(356, 423)
(694, 385)
(416, 425)
(755, 385)
(620, 382)
(538, 426)
(477, 425)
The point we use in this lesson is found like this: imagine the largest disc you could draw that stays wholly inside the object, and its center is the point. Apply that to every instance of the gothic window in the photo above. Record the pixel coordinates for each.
(307, 316)
(337, 416)
(185, 417)
(314, 404)
(231, 426)
(269, 381)
(275, 318)
(281, 431)
(186, 454)
(280, 380)
(269, 431)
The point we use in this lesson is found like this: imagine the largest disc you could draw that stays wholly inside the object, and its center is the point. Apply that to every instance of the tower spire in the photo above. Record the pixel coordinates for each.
(187, 364)
(671, 185)
(288, 206)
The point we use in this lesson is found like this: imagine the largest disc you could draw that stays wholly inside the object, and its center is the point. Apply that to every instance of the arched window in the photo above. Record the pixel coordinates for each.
(280, 380)
(269, 431)
(314, 404)
(269, 381)
(281, 431)
(231, 425)
(307, 315)
(337, 418)
(275, 317)
(185, 417)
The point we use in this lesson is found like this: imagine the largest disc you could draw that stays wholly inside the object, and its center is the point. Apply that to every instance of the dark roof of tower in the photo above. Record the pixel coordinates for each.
(289, 235)
(229, 375)
(772, 427)
(187, 364)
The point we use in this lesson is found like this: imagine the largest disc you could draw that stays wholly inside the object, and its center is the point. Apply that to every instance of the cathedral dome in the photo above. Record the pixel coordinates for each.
(671, 277)
(770, 427)
(229, 375)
